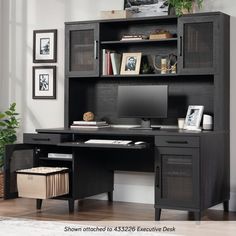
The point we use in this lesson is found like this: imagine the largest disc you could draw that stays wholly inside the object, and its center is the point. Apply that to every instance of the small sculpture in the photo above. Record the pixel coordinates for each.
(88, 116)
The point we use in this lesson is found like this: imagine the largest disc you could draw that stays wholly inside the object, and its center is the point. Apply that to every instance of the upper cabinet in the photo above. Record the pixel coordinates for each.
(198, 44)
(81, 49)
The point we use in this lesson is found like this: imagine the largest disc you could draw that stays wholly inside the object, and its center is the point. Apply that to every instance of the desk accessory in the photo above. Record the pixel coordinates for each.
(193, 117)
(181, 123)
(88, 116)
(207, 123)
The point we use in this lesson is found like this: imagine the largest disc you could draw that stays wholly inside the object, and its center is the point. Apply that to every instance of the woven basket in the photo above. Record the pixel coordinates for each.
(1, 185)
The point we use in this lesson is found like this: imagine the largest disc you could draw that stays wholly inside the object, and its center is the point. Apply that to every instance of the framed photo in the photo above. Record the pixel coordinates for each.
(130, 63)
(44, 82)
(144, 8)
(45, 46)
(193, 117)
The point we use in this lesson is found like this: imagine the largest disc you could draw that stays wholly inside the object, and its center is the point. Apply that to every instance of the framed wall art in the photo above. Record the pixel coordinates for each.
(130, 63)
(45, 46)
(143, 8)
(44, 82)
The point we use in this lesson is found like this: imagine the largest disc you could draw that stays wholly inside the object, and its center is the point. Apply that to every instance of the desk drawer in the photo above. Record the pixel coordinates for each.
(45, 138)
(176, 141)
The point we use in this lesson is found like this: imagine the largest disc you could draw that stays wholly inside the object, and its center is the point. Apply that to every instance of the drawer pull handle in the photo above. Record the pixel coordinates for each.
(177, 142)
(181, 46)
(41, 139)
(157, 177)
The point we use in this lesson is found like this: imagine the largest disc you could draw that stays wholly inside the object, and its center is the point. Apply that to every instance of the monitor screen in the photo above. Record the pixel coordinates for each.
(143, 101)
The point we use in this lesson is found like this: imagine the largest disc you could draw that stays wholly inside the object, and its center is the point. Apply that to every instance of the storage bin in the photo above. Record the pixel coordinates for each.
(43, 182)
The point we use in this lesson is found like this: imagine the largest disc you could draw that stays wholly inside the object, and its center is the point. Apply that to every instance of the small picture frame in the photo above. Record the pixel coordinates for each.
(44, 82)
(45, 46)
(193, 117)
(131, 63)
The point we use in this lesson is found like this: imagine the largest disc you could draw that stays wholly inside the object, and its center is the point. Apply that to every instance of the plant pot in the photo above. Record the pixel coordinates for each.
(171, 10)
(183, 11)
(1, 184)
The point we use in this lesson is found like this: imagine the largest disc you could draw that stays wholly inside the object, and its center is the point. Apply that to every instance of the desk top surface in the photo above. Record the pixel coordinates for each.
(126, 131)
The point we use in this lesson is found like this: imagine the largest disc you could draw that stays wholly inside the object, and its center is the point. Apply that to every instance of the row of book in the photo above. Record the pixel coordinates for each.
(111, 62)
(89, 124)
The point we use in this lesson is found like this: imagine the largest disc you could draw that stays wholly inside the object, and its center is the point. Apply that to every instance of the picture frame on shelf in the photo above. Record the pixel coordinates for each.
(130, 64)
(193, 117)
(144, 8)
(44, 82)
(45, 46)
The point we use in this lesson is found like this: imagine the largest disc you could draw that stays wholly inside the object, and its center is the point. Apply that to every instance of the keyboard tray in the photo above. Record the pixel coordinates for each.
(93, 145)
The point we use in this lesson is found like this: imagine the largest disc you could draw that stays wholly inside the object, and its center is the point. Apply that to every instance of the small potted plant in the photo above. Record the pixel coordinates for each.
(184, 6)
(8, 125)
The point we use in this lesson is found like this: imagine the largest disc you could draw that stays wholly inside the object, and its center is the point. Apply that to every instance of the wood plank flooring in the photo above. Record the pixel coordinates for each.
(97, 210)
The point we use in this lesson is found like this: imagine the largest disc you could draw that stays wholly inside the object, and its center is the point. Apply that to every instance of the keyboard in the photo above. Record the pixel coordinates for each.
(106, 141)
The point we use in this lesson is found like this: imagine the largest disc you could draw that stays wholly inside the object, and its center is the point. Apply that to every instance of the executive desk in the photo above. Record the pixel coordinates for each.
(191, 168)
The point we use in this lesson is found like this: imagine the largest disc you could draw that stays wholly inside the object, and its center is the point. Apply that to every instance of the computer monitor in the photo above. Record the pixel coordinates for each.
(143, 101)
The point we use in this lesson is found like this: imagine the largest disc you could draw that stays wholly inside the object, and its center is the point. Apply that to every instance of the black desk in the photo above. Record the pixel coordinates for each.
(191, 168)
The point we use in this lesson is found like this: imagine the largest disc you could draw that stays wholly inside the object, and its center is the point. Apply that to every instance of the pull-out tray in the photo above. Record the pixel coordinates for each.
(93, 145)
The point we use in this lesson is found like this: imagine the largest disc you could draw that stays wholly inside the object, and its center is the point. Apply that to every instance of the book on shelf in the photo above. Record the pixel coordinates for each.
(134, 37)
(109, 66)
(88, 126)
(60, 155)
(82, 122)
(106, 62)
(115, 62)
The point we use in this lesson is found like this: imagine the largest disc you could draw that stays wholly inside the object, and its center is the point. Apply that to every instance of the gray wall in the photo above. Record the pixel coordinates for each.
(17, 21)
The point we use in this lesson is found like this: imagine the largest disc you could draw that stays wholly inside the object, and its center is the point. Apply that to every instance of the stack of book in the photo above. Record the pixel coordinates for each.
(133, 37)
(89, 124)
(111, 62)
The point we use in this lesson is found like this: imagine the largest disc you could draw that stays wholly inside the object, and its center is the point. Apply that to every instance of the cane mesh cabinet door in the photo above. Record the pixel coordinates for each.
(177, 177)
(81, 50)
(198, 44)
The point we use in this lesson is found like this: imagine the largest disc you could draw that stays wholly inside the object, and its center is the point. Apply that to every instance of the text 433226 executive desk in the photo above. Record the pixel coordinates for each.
(191, 168)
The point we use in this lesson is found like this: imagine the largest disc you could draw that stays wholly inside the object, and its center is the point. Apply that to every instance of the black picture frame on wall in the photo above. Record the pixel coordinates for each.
(44, 82)
(45, 46)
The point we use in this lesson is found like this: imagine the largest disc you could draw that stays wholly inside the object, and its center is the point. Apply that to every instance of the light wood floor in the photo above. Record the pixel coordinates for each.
(91, 210)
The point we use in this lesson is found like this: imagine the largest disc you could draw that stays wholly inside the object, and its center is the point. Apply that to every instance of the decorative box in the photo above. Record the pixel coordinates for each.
(164, 35)
(115, 14)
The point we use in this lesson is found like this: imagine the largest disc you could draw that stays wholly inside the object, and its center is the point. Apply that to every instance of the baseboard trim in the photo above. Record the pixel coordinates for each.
(135, 194)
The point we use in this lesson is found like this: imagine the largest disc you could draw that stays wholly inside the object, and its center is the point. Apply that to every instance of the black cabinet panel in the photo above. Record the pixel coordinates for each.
(177, 177)
(198, 44)
(82, 48)
(17, 156)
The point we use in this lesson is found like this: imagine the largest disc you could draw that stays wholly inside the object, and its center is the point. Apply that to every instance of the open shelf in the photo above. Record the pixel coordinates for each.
(55, 159)
(144, 41)
(138, 76)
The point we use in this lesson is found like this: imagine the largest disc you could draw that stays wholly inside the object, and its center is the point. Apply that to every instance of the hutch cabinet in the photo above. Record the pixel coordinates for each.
(81, 50)
(199, 38)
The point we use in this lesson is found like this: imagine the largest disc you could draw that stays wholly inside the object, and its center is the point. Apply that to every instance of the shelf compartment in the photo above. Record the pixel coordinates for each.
(55, 159)
(144, 41)
(140, 75)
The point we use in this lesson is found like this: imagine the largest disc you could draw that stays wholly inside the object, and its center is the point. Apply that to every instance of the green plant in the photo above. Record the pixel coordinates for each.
(8, 125)
(179, 5)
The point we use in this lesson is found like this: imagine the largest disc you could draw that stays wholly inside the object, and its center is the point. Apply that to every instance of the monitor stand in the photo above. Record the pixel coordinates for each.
(146, 125)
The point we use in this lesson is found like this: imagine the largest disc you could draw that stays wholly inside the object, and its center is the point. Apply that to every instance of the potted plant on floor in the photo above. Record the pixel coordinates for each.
(184, 6)
(8, 125)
